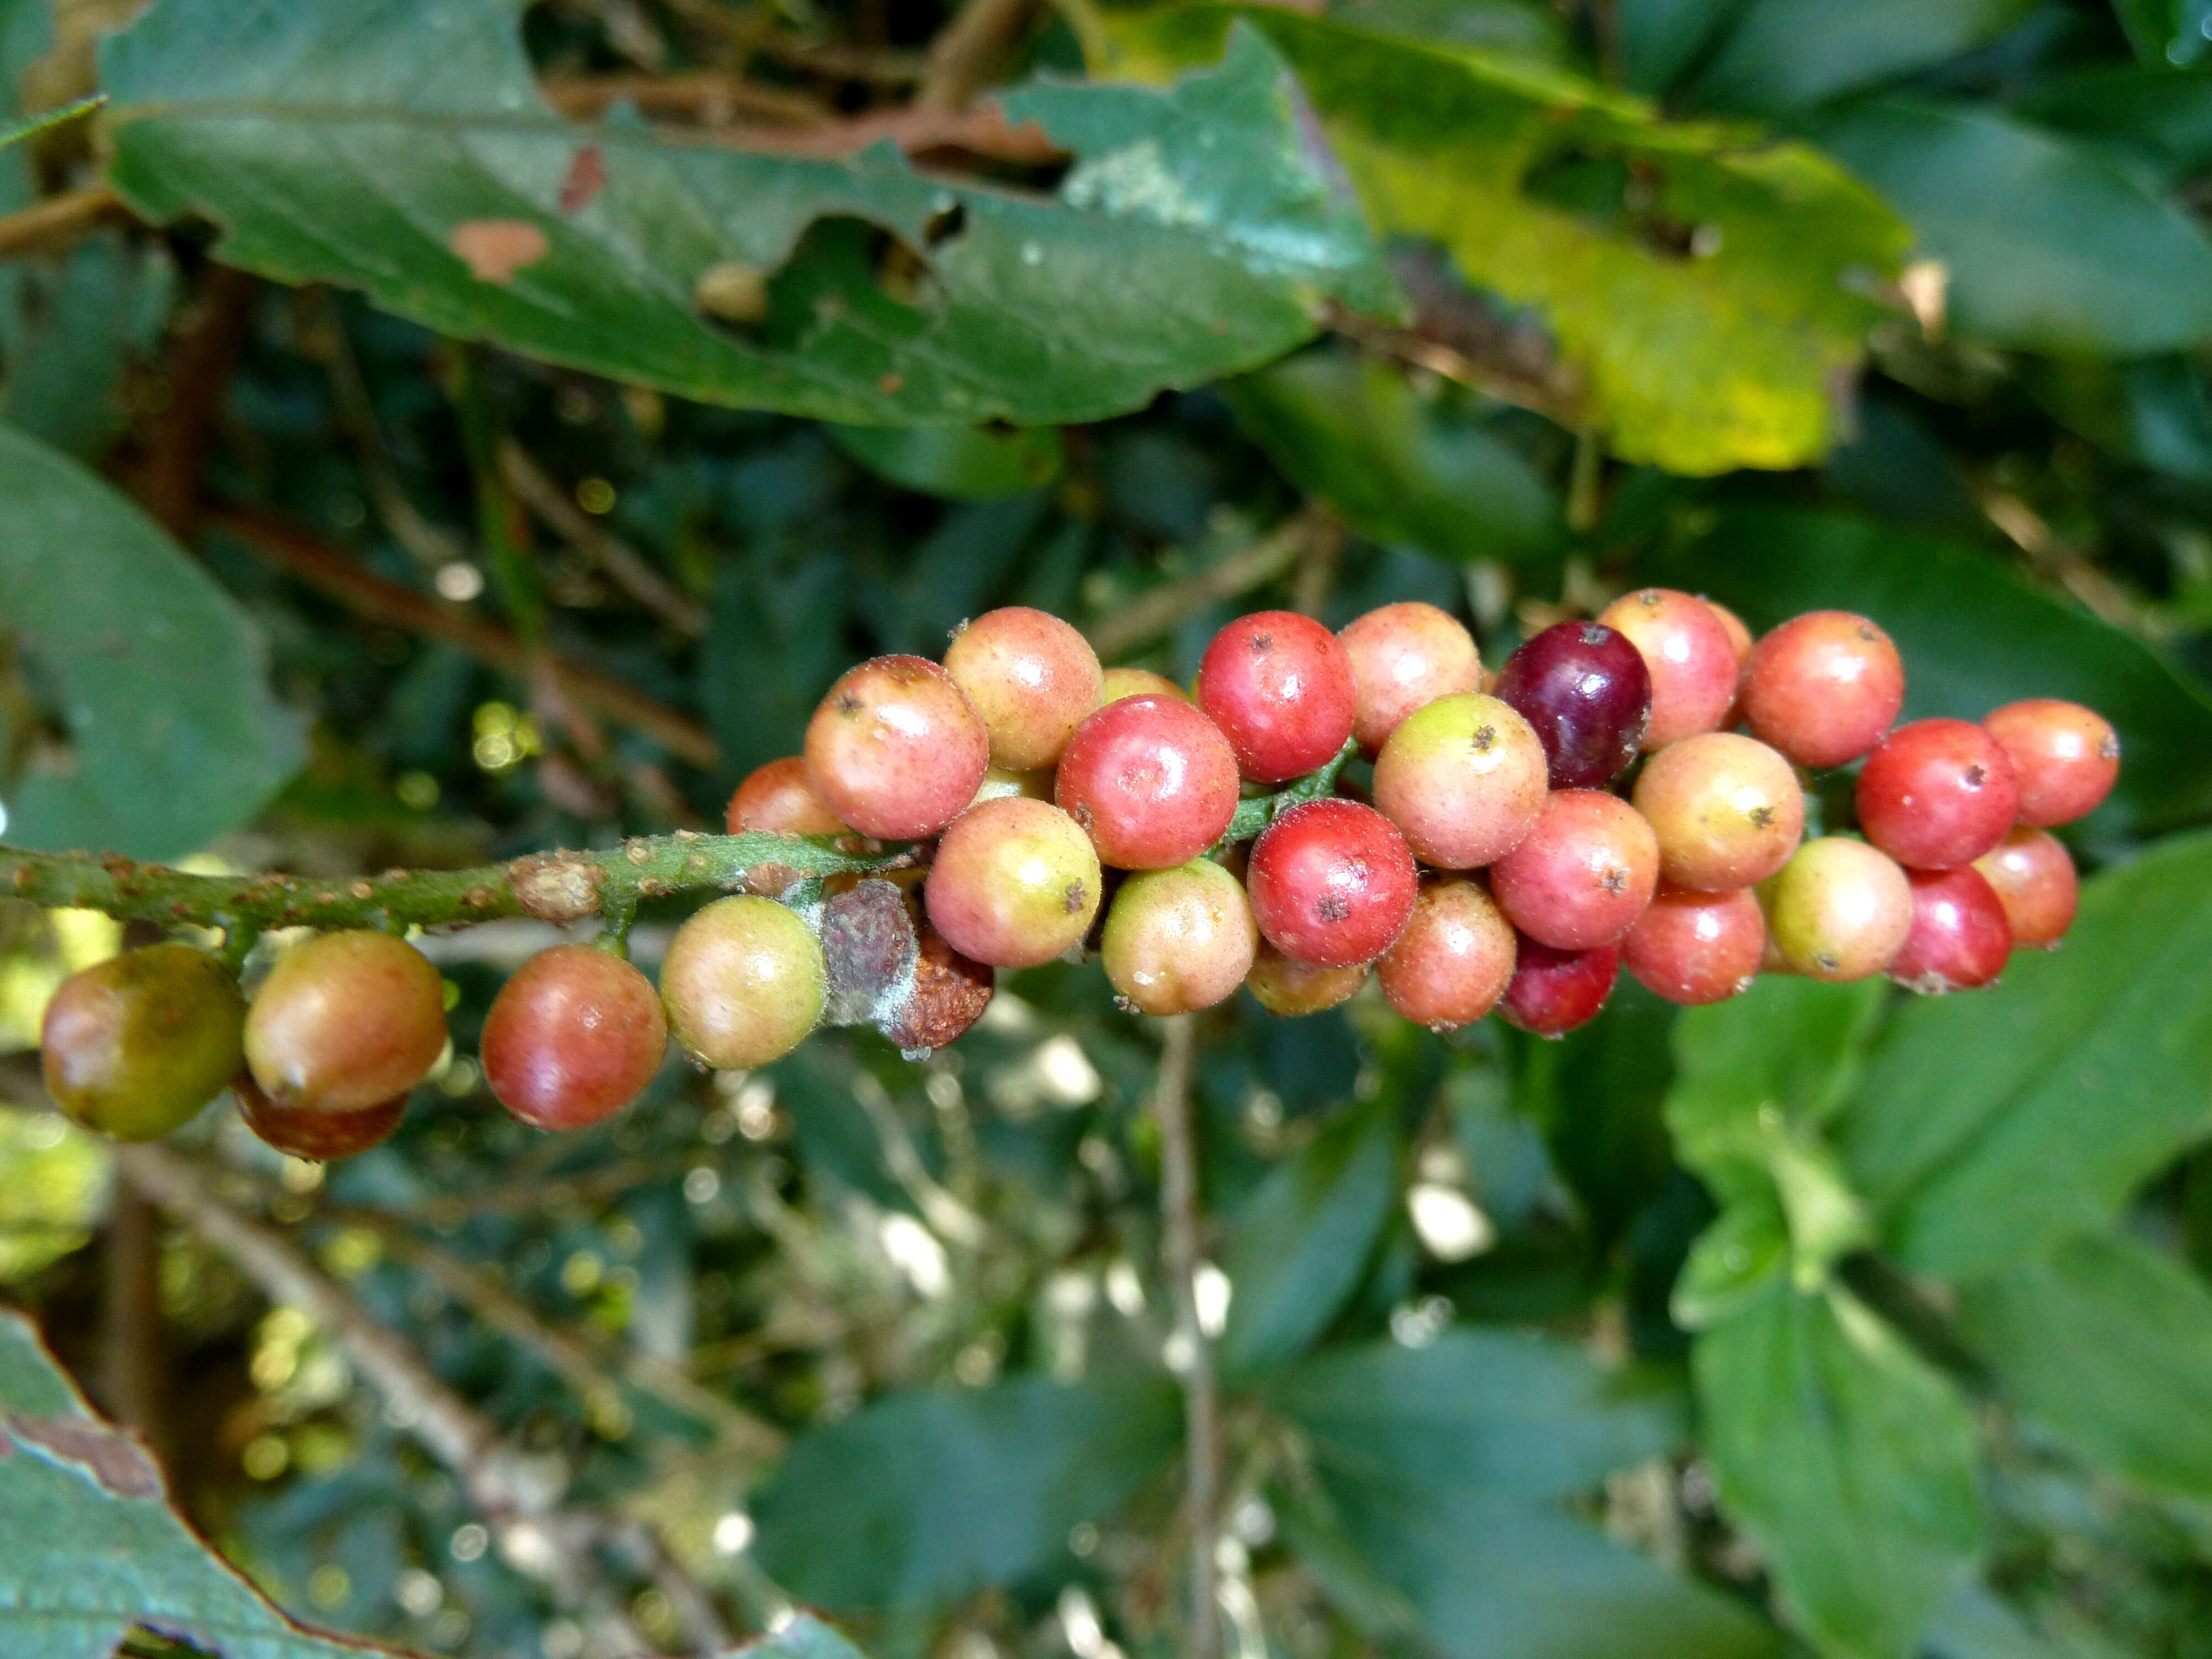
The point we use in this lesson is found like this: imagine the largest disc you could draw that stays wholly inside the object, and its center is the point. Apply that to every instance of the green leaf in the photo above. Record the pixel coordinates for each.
(1735, 1260)
(91, 1548)
(2167, 33)
(2050, 245)
(1975, 1624)
(105, 302)
(1973, 636)
(1848, 1461)
(1662, 39)
(2157, 117)
(926, 1496)
(1395, 468)
(1792, 54)
(2155, 412)
(1519, 28)
(158, 677)
(401, 147)
(1987, 1128)
(2107, 1343)
(1302, 1240)
(961, 462)
(1708, 318)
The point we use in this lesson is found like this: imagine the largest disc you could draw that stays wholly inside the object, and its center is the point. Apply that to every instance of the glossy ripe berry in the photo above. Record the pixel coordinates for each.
(1585, 690)
(318, 1137)
(2033, 878)
(1151, 781)
(1015, 883)
(895, 750)
(133, 1046)
(1179, 940)
(345, 1022)
(1695, 948)
(1583, 875)
(2066, 758)
(1332, 883)
(1936, 794)
(743, 983)
(1838, 911)
(1824, 687)
(1463, 778)
(1122, 682)
(1280, 688)
(1404, 657)
(1454, 960)
(1287, 987)
(1692, 660)
(1960, 938)
(574, 1036)
(1727, 810)
(1552, 992)
(1030, 678)
(778, 798)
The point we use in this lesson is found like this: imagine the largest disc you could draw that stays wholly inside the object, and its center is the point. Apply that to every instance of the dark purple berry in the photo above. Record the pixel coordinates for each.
(1585, 689)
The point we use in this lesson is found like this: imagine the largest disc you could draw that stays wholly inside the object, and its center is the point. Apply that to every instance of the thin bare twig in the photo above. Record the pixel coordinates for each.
(1179, 1217)
(627, 568)
(1154, 613)
(1324, 551)
(961, 57)
(58, 220)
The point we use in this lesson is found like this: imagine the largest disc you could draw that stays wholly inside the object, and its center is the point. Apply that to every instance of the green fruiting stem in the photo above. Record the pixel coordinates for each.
(1259, 811)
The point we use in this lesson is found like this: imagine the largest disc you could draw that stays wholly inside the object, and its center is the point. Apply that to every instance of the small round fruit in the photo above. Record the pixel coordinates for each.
(1824, 687)
(1454, 960)
(1285, 986)
(1179, 940)
(1279, 686)
(1582, 874)
(1404, 657)
(1839, 910)
(950, 993)
(1727, 809)
(1936, 794)
(1585, 690)
(999, 784)
(1554, 991)
(2033, 878)
(1332, 883)
(2065, 757)
(779, 797)
(1122, 682)
(345, 1022)
(133, 1046)
(1151, 781)
(318, 1137)
(1960, 938)
(574, 1036)
(895, 750)
(1740, 637)
(1015, 883)
(744, 982)
(1030, 678)
(1695, 948)
(1692, 659)
(1463, 777)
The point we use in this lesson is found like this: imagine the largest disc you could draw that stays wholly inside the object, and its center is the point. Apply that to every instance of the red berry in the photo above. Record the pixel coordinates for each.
(1463, 778)
(345, 1022)
(574, 1036)
(1585, 690)
(1332, 883)
(1454, 960)
(1936, 794)
(1695, 948)
(1583, 875)
(1740, 637)
(744, 982)
(1554, 991)
(2033, 878)
(2065, 757)
(1727, 809)
(1151, 780)
(318, 1137)
(1014, 884)
(133, 1046)
(1692, 659)
(1280, 688)
(1030, 678)
(1179, 940)
(1960, 937)
(1839, 910)
(778, 798)
(1122, 682)
(1288, 987)
(895, 750)
(1824, 687)
(1404, 657)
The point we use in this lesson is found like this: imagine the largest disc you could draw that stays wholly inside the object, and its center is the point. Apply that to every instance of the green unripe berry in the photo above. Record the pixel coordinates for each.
(744, 982)
(134, 1047)
(1839, 910)
(1181, 939)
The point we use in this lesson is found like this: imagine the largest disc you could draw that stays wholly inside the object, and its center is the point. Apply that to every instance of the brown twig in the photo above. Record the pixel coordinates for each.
(1179, 1219)
(962, 55)
(167, 482)
(1324, 551)
(627, 568)
(708, 96)
(132, 1339)
(58, 220)
(1156, 612)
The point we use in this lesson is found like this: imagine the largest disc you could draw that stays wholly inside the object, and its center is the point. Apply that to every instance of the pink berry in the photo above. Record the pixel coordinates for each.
(1552, 992)
(1151, 781)
(1960, 937)
(1030, 678)
(1727, 809)
(2065, 757)
(1181, 939)
(574, 1036)
(2033, 878)
(1740, 637)
(1332, 883)
(1691, 659)
(895, 750)
(1583, 875)
(1403, 657)
(1463, 778)
(1695, 948)
(1280, 688)
(1824, 687)
(1014, 884)
(1454, 960)
(1937, 794)
(778, 798)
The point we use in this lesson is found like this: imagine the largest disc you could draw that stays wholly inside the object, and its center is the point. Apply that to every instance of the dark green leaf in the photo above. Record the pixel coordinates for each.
(2158, 118)
(963, 463)
(2050, 245)
(1736, 1260)
(65, 374)
(401, 147)
(1847, 1461)
(1662, 39)
(1975, 1624)
(2155, 412)
(173, 736)
(1520, 28)
(1792, 54)
(1988, 1126)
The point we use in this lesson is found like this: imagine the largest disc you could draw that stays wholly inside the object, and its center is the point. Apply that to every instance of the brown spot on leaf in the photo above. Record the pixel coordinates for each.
(587, 177)
(494, 249)
(110, 1456)
(889, 384)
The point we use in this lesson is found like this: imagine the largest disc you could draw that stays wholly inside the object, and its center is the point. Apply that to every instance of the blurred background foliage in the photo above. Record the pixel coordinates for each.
(392, 473)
